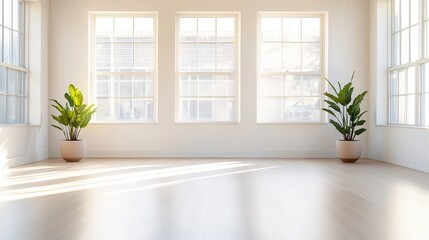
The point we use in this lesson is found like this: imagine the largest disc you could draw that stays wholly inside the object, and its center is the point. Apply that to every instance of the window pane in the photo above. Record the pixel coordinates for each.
(143, 30)
(310, 57)
(395, 49)
(225, 86)
(311, 85)
(7, 46)
(414, 51)
(425, 77)
(311, 109)
(205, 109)
(7, 13)
(292, 57)
(402, 111)
(405, 13)
(425, 109)
(12, 79)
(411, 80)
(123, 57)
(311, 29)
(1, 14)
(103, 29)
(188, 57)
(123, 109)
(292, 108)
(426, 41)
(414, 4)
(103, 60)
(292, 86)
(292, 29)
(16, 56)
(396, 15)
(144, 57)
(142, 109)
(225, 57)
(206, 58)
(402, 81)
(188, 86)
(103, 109)
(206, 29)
(2, 80)
(206, 86)
(405, 46)
(143, 89)
(3, 113)
(123, 29)
(271, 56)
(103, 89)
(411, 109)
(188, 29)
(271, 29)
(225, 29)
(394, 107)
(15, 15)
(394, 83)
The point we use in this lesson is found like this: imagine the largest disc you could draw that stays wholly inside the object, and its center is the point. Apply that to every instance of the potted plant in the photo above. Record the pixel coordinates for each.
(347, 119)
(71, 119)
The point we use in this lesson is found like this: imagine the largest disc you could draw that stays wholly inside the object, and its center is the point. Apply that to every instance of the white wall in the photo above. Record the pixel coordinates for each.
(24, 144)
(348, 51)
(403, 146)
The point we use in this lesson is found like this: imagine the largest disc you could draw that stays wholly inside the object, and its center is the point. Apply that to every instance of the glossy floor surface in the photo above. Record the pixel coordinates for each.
(213, 199)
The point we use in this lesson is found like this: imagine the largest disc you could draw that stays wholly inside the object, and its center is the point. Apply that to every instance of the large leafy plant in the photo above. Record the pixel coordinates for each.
(346, 111)
(74, 115)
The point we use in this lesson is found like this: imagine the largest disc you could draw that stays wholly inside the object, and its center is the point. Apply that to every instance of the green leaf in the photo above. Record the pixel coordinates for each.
(337, 126)
(332, 86)
(360, 122)
(360, 131)
(328, 111)
(332, 97)
(333, 106)
(55, 126)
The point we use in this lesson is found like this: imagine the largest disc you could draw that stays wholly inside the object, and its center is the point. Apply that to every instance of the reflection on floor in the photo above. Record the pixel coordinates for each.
(213, 199)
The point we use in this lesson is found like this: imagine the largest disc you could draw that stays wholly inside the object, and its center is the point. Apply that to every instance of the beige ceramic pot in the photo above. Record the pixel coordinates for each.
(348, 151)
(72, 151)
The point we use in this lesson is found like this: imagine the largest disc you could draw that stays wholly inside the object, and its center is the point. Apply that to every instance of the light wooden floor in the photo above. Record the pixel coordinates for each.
(213, 199)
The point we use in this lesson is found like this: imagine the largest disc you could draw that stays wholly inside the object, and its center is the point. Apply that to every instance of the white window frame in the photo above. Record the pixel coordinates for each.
(22, 68)
(323, 119)
(92, 48)
(418, 108)
(236, 73)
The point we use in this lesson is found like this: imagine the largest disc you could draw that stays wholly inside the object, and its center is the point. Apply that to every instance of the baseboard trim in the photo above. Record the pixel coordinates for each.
(401, 161)
(26, 159)
(211, 154)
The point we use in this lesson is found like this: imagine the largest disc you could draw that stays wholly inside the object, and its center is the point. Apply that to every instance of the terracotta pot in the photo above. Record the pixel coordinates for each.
(72, 151)
(348, 151)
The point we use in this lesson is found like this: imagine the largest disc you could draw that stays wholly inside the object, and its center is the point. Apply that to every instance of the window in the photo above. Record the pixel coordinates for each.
(124, 67)
(13, 74)
(408, 90)
(207, 69)
(403, 97)
(290, 67)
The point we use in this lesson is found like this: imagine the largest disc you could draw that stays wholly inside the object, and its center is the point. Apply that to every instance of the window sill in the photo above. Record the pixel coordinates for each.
(292, 123)
(19, 125)
(124, 123)
(402, 126)
(208, 123)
